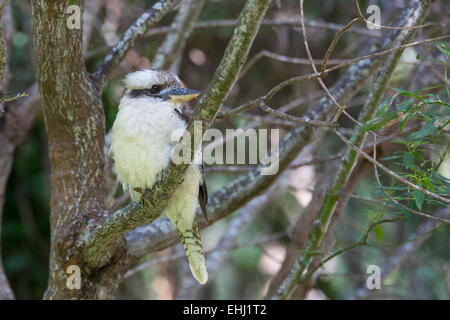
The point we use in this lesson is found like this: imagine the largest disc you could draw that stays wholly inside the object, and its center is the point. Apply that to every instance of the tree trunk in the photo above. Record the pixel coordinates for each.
(74, 119)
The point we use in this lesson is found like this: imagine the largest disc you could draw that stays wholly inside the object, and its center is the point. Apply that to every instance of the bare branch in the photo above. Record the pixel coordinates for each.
(180, 30)
(289, 117)
(75, 124)
(282, 23)
(134, 33)
(312, 76)
(308, 53)
(335, 41)
(89, 18)
(282, 58)
(6, 146)
(267, 22)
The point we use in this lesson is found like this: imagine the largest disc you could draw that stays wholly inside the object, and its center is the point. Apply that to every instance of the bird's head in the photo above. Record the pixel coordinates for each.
(158, 84)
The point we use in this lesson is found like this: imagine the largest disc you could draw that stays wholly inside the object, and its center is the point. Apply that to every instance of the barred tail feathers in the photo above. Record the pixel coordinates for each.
(194, 251)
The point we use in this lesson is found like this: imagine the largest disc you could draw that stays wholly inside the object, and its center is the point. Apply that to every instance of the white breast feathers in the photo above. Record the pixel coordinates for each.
(142, 140)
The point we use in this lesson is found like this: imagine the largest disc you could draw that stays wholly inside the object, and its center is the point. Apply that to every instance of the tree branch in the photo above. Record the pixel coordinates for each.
(267, 22)
(75, 125)
(134, 33)
(312, 76)
(175, 41)
(89, 19)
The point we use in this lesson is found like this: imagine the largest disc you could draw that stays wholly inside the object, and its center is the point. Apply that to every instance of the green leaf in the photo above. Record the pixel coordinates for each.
(373, 215)
(442, 48)
(391, 158)
(437, 86)
(399, 141)
(378, 233)
(383, 108)
(402, 123)
(408, 160)
(404, 106)
(418, 197)
(418, 156)
(379, 122)
(426, 130)
(395, 188)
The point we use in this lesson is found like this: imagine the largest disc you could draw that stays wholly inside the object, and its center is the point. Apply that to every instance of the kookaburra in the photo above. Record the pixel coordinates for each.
(142, 145)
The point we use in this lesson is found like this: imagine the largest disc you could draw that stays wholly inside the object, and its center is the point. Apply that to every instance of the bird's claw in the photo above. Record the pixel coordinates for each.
(139, 190)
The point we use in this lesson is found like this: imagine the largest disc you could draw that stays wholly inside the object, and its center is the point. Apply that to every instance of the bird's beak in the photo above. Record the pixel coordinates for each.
(179, 95)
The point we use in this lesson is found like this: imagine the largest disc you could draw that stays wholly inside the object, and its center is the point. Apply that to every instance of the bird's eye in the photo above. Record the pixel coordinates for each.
(155, 89)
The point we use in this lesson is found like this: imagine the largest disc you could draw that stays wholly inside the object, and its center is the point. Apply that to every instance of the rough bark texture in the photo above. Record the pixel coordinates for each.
(75, 124)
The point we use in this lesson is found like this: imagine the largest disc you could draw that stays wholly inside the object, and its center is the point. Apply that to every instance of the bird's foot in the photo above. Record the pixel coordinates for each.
(139, 190)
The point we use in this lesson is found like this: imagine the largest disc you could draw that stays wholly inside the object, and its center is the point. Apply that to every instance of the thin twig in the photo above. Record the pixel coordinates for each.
(282, 58)
(335, 41)
(362, 242)
(172, 47)
(289, 117)
(377, 177)
(134, 33)
(312, 76)
(267, 22)
(322, 84)
(378, 26)
(390, 172)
